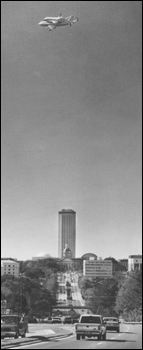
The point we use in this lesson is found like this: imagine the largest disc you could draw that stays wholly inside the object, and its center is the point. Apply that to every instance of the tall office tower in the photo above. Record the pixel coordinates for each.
(67, 231)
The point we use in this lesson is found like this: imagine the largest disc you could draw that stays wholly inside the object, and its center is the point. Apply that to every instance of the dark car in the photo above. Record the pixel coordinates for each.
(12, 326)
(75, 319)
(112, 324)
(67, 319)
(71, 319)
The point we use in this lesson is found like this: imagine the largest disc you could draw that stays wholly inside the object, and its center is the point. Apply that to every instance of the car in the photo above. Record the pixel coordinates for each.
(56, 320)
(75, 319)
(12, 326)
(67, 319)
(90, 326)
(112, 324)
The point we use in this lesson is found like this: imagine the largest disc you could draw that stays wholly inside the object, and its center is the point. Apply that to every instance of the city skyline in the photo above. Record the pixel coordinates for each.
(71, 127)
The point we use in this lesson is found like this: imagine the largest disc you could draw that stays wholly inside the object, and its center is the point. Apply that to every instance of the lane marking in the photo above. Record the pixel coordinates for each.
(49, 331)
(100, 343)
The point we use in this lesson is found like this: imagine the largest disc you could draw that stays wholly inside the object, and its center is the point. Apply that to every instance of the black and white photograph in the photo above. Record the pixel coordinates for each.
(71, 169)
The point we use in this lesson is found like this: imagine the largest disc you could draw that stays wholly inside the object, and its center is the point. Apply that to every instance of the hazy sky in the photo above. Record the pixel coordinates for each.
(71, 127)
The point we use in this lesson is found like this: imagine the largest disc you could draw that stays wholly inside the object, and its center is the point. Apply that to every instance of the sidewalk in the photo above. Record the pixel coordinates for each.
(132, 322)
(35, 337)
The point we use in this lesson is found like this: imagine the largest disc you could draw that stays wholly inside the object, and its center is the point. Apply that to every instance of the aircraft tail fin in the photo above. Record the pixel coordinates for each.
(70, 18)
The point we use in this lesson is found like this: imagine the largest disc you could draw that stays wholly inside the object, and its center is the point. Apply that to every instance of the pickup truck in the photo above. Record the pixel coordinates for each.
(90, 326)
(12, 326)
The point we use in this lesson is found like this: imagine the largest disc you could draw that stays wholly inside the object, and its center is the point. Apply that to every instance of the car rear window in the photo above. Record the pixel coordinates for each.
(9, 319)
(110, 320)
(90, 319)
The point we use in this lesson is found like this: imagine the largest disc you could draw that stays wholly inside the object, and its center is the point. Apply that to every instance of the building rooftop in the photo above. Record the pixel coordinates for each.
(67, 211)
(135, 256)
(8, 262)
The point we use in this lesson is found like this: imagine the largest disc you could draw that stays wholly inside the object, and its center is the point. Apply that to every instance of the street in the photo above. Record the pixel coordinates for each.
(130, 337)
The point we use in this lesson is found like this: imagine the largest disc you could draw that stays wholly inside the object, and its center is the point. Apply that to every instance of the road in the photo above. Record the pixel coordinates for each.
(76, 295)
(130, 337)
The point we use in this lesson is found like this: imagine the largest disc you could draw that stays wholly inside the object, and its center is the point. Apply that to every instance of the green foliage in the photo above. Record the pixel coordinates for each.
(129, 296)
(79, 266)
(51, 284)
(133, 315)
(102, 295)
(34, 292)
(99, 294)
(121, 294)
(38, 268)
(84, 283)
(117, 266)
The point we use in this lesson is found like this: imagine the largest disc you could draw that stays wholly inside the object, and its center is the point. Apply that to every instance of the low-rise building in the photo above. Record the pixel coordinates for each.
(10, 267)
(135, 262)
(97, 268)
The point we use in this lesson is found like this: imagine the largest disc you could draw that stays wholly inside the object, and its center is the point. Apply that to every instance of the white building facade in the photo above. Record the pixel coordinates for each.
(10, 267)
(97, 268)
(135, 262)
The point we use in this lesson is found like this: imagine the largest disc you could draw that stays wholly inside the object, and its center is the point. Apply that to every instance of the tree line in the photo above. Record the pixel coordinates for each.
(119, 295)
(34, 292)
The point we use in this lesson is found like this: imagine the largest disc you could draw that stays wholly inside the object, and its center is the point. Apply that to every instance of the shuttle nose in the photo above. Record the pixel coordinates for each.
(43, 23)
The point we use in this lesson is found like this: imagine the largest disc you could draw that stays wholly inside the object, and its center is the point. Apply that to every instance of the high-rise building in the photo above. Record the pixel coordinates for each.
(67, 231)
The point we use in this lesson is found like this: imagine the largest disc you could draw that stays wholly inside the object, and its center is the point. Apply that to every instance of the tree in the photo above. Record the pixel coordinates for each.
(103, 295)
(129, 296)
(99, 294)
(23, 295)
(117, 266)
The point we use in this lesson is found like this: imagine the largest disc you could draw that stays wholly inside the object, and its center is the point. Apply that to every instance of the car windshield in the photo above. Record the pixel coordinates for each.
(90, 319)
(9, 319)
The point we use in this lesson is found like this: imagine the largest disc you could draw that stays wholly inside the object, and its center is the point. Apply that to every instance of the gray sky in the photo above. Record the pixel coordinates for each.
(71, 127)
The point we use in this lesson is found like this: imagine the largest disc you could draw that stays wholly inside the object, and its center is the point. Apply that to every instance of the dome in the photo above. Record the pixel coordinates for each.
(43, 255)
(67, 250)
(89, 255)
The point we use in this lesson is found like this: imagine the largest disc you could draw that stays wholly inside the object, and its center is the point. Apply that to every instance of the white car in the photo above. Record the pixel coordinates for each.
(56, 319)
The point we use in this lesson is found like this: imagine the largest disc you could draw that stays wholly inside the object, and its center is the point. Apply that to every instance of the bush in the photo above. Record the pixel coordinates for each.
(133, 315)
